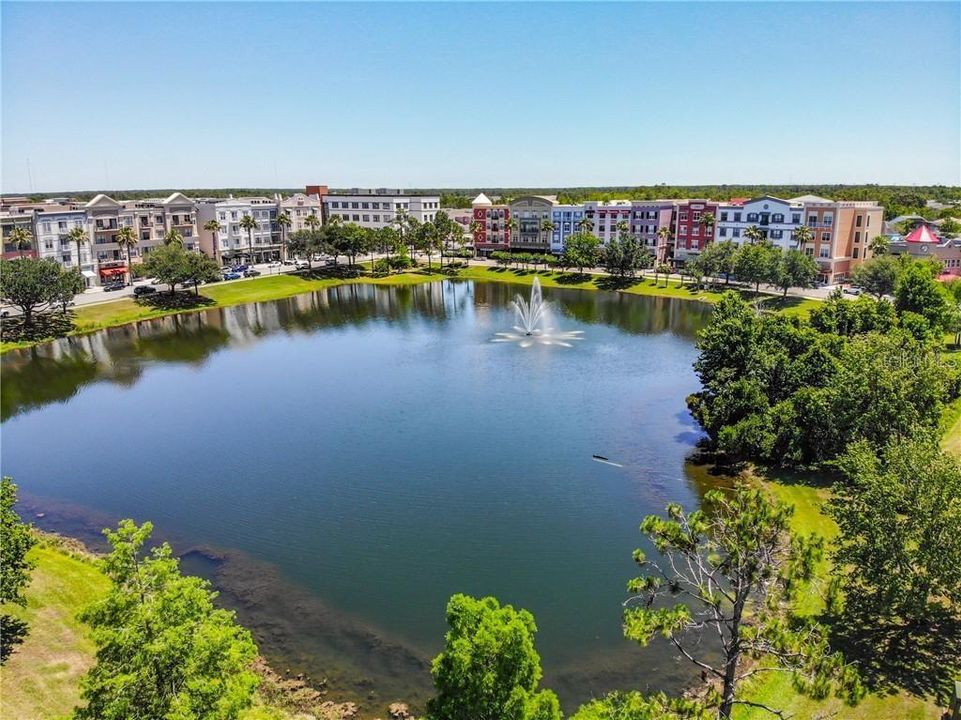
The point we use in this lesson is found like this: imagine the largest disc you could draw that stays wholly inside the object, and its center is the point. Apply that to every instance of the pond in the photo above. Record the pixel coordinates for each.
(339, 463)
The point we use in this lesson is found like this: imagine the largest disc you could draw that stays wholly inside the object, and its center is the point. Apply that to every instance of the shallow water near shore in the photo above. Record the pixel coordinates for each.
(339, 463)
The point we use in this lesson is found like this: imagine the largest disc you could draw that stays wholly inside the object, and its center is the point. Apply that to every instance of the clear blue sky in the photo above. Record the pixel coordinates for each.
(442, 95)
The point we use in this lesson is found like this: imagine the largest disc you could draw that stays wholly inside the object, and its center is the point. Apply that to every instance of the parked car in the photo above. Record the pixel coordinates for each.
(232, 276)
(274, 263)
(144, 290)
(330, 261)
(240, 268)
(251, 272)
(301, 264)
(287, 262)
(852, 290)
(115, 285)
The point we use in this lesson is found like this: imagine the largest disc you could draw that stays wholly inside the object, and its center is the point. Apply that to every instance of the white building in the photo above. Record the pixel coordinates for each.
(233, 241)
(777, 220)
(51, 231)
(299, 207)
(566, 219)
(378, 208)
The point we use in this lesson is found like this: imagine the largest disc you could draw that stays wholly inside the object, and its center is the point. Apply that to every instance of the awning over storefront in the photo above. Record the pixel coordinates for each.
(89, 274)
(107, 272)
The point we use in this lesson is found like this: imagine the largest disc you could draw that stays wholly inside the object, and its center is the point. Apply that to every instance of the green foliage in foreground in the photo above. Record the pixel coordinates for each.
(635, 706)
(163, 649)
(788, 393)
(900, 520)
(489, 667)
(172, 265)
(15, 542)
(34, 285)
(735, 566)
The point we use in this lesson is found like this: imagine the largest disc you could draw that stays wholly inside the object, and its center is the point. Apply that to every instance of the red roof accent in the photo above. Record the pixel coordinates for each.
(738, 201)
(922, 234)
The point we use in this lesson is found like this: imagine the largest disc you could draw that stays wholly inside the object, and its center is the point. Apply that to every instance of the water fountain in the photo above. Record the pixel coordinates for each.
(532, 317)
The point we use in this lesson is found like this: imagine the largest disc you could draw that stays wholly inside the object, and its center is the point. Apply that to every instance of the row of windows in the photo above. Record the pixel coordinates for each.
(344, 205)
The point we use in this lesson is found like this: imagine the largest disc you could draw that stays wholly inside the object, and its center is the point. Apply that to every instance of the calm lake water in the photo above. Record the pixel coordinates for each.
(340, 463)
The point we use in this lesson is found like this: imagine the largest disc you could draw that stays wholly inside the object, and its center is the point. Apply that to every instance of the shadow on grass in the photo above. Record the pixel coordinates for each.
(773, 302)
(177, 301)
(922, 659)
(572, 278)
(12, 633)
(44, 326)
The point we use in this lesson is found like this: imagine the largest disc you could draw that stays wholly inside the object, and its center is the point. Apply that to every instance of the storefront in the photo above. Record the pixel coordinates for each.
(111, 272)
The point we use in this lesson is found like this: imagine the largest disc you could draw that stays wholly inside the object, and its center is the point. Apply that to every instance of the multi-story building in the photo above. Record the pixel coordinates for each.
(530, 212)
(566, 219)
(52, 225)
(379, 208)
(776, 219)
(299, 207)
(691, 232)
(843, 231)
(493, 230)
(14, 218)
(606, 215)
(235, 243)
(647, 219)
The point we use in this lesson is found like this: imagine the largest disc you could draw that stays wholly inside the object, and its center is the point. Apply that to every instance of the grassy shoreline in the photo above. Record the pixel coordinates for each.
(90, 318)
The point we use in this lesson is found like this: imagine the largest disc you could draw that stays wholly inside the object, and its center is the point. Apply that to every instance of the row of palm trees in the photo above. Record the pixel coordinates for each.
(248, 223)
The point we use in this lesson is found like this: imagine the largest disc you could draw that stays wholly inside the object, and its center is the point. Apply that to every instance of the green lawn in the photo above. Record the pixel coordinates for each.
(88, 318)
(40, 680)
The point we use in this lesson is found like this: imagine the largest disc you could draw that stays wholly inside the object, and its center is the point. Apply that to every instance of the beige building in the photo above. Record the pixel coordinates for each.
(842, 231)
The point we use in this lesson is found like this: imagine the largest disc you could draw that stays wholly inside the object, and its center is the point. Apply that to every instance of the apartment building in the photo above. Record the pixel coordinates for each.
(234, 243)
(776, 219)
(52, 225)
(379, 207)
(299, 207)
(606, 215)
(493, 225)
(691, 232)
(647, 219)
(843, 231)
(566, 219)
(10, 219)
(530, 212)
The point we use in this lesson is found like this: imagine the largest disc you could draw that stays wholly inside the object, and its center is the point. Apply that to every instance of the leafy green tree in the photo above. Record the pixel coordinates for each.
(197, 269)
(754, 235)
(735, 566)
(841, 316)
(756, 263)
(624, 255)
(489, 669)
(879, 245)
(635, 706)
(127, 240)
(794, 269)
(919, 292)
(15, 542)
(582, 250)
(304, 243)
(248, 223)
(173, 265)
(899, 513)
(31, 285)
(877, 276)
(174, 237)
(68, 286)
(718, 259)
(163, 649)
(950, 227)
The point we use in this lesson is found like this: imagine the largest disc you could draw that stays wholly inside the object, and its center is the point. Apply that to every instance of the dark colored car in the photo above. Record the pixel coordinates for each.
(144, 290)
(240, 268)
(232, 276)
(250, 272)
(116, 285)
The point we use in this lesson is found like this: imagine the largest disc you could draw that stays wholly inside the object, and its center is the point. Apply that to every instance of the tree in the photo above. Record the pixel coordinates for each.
(663, 235)
(754, 234)
(21, 239)
(899, 551)
(304, 243)
(877, 276)
(635, 706)
(624, 254)
(582, 250)
(878, 245)
(172, 265)
(16, 539)
(489, 669)
(352, 241)
(68, 286)
(248, 223)
(918, 291)
(662, 269)
(30, 284)
(719, 258)
(707, 220)
(547, 227)
(586, 225)
(284, 222)
(198, 268)
(390, 242)
(802, 236)
(173, 237)
(163, 649)
(214, 227)
(756, 263)
(313, 222)
(403, 222)
(78, 236)
(735, 565)
(127, 240)
(794, 269)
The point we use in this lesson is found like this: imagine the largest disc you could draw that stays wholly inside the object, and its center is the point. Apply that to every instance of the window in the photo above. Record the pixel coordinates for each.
(777, 218)
(696, 216)
(696, 230)
(825, 237)
(48, 244)
(356, 217)
(812, 220)
(825, 252)
(365, 206)
(376, 218)
(858, 220)
(828, 219)
(777, 234)
(65, 258)
(683, 216)
(795, 218)
(857, 236)
(366, 217)
(737, 217)
(723, 217)
(856, 251)
(354, 205)
(62, 225)
(809, 251)
(736, 232)
(752, 217)
(867, 222)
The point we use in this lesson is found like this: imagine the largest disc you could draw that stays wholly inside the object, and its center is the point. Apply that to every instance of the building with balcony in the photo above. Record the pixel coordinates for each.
(52, 225)
(606, 215)
(14, 218)
(843, 231)
(378, 208)
(777, 220)
(530, 212)
(691, 233)
(567, 220)
(234, 243)
(299, 207)
(493, 231)
(647, 219)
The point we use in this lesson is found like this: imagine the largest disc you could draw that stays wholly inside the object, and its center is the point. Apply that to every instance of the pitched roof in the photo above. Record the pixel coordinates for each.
(922, 234)
(810, 199)
(481, 199)
(102, 199)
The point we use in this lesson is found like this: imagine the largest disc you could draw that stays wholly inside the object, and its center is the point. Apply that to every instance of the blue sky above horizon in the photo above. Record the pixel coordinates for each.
(124, 95)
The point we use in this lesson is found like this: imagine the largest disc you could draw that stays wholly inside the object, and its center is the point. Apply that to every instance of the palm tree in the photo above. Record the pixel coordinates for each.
(21, 239)
(78, 236)
(214, 227)
(511, 226)
(586, 224)
(403, 223)
(707, 220)
(802, 236)
(284, 222)
(173, 237)
(663, 238)
(878, 245)
(127, 239)
(754, 234)
(313, 222)
(248, 223)
(475, 227)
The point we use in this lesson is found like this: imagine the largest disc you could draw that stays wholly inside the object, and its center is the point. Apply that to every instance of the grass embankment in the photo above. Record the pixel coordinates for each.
(88, 318)
(41, 678)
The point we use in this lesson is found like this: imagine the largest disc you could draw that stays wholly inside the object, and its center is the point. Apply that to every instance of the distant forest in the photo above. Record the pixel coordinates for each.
(896, 199)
